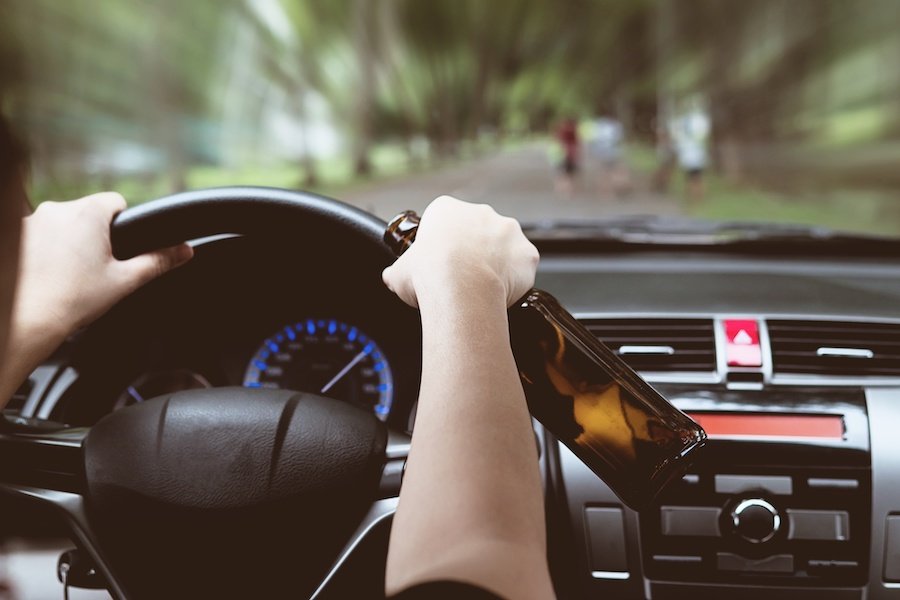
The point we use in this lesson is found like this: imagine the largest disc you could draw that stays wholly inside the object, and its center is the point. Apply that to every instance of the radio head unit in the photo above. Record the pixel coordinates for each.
(781, 495)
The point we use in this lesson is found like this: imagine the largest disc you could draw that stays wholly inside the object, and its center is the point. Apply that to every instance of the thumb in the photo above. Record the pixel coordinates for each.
(147, 267)
(397, 280)
(386, 278)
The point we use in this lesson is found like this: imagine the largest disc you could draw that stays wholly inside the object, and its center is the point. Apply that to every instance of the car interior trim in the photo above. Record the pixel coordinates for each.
(884, 414)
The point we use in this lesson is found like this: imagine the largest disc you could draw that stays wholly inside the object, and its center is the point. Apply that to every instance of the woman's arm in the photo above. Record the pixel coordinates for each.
(67, 278)
(471, 504)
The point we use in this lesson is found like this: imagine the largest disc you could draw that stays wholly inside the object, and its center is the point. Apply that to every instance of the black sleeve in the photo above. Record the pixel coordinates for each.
(445, 590)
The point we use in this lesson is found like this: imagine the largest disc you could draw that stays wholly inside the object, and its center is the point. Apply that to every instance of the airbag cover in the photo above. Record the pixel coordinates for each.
(232, 448)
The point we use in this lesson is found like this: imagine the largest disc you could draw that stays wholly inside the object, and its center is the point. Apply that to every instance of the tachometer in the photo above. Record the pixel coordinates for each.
(327, 357)
(156, 383)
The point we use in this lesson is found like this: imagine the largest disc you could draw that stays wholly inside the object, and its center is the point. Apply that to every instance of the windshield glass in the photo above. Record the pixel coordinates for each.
(759, 110)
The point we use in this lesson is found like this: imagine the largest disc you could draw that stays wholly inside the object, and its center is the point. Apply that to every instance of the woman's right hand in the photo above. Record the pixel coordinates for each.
(464, 247)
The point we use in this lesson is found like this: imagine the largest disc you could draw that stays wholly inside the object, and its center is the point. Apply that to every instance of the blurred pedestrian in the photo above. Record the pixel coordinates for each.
(567, 136)
(607, 135)
(690, 133)
(666, 157)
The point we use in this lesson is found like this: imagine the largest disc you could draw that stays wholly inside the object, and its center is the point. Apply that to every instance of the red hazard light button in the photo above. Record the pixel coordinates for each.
(742, 348)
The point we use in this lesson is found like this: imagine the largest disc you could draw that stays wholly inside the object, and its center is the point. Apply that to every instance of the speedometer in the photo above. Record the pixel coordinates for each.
(327, 357)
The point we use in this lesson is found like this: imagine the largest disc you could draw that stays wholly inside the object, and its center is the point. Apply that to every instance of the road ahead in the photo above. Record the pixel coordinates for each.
(518, 183)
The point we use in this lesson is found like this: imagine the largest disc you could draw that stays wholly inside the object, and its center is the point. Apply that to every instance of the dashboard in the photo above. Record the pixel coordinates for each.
(792, 362)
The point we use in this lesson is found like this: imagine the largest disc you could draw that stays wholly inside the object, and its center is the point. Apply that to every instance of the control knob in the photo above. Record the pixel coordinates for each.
(755, 520)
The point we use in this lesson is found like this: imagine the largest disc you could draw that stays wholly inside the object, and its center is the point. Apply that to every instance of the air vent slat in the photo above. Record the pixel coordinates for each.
(814, 347)
(619, 340)
(791, 343)
(20, 397)
(692, 342)
(848, 363)
(815, 357)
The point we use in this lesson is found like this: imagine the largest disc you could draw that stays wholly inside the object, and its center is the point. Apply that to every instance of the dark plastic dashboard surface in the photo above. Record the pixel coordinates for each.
(711, 283)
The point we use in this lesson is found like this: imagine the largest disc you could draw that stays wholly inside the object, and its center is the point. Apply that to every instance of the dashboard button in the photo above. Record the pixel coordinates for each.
(826, 525)
(691, 479)
(820, 483)
(779, 563)
(738, 484)
(677, 559)
(742, 348)
(892, 549)
(606, 542)
(690, 520)
(823, 567)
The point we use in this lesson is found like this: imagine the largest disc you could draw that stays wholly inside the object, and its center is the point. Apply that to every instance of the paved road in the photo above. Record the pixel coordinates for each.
(520, 183)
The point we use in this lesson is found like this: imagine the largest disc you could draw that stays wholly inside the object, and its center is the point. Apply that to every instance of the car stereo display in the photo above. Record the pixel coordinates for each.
(770, 425)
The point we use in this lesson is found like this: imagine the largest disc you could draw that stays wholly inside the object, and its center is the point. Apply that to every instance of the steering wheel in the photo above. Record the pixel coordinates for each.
(225, 492)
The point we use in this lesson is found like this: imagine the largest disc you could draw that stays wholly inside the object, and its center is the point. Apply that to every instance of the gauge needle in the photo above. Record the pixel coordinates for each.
(134, 394)
(344, 371)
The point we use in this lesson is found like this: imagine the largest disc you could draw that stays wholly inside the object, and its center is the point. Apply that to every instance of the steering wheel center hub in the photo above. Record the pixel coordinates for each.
(231, 481)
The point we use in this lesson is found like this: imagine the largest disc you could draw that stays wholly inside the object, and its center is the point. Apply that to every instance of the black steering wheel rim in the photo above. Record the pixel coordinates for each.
(244, 210)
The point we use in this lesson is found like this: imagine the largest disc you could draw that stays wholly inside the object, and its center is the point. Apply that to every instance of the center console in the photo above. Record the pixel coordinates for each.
(767, 503)
(779, 504)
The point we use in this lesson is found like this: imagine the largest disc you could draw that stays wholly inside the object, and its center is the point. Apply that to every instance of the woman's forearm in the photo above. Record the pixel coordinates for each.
(27, 347)
(471, 506)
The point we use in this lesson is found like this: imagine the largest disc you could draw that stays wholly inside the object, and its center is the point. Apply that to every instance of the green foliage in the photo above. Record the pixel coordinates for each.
(125, 90)
(863, 211)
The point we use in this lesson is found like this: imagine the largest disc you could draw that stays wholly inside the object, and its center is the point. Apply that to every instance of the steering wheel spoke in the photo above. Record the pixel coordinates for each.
(395, 453)
(382, 509)
(47, 468)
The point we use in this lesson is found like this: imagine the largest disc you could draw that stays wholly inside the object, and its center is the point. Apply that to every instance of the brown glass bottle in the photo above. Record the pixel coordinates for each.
(584, 394)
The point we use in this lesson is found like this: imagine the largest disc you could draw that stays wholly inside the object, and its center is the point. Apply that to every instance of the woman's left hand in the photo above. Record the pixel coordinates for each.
(68, 275)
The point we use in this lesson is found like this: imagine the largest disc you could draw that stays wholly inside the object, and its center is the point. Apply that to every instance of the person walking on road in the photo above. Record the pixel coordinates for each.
(606, 147)
(690, 133)
(567, 136)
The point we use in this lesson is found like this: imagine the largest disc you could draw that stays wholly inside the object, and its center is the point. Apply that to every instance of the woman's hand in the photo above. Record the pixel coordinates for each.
(464, 246)
(68, 276)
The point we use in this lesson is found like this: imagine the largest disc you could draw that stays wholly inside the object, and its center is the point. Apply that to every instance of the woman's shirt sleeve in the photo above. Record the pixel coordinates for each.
(445, 590)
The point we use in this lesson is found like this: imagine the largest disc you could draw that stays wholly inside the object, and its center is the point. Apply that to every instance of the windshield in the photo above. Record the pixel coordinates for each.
(566, 111)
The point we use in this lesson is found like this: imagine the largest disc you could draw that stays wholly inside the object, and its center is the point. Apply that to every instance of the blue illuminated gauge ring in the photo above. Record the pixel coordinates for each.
(325, 357)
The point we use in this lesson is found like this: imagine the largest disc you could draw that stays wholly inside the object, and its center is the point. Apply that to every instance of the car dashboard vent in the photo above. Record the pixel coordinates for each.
(842, 348)
(20, 396)
(659, 345)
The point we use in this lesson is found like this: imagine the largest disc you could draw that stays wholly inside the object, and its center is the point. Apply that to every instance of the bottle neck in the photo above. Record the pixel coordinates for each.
(401, 231)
